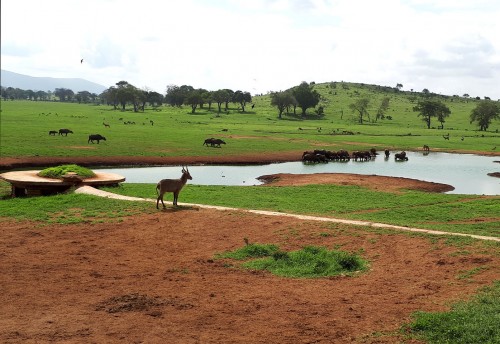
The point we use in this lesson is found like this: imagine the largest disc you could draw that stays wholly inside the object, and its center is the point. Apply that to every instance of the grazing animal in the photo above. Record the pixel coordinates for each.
(172, 185)
(96, 137)
(446, 137)
(106, 125)
(362, 155)
(65, 132)
(401, 156)
(217, 143)
(343, 155)
(53, 132)
(214, 142)
(208, 141)
(426, 148)
(313, 157)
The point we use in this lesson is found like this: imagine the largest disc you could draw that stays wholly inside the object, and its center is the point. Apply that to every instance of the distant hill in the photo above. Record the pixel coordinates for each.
(26, 82)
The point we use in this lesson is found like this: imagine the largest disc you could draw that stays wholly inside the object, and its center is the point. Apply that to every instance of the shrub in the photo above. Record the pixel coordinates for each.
(60, 171)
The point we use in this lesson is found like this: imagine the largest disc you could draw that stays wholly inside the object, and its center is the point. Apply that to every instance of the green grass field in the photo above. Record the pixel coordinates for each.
(445, 212)
(178, 132)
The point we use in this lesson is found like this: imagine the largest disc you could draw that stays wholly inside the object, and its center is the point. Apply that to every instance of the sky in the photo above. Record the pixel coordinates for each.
(450, 47)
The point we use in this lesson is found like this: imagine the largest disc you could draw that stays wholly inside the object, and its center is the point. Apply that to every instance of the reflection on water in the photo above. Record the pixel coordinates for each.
(466, 172)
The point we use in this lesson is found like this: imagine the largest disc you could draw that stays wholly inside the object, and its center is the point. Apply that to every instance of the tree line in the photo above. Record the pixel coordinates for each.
(63, 94)
(303, 96)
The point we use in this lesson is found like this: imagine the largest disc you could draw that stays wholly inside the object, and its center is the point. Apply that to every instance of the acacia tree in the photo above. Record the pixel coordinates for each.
(242, 98)
(361, 107)
(194, 98)
(442, 113)
(110, 96)
(432, 108)
(64, 94)
(176, 95)
(219, 97)
(128, 93)
(229, 97)
(484, 113)
(306, 96)
(384, 105)
(154, 98)
(83, 96)
(282, 100)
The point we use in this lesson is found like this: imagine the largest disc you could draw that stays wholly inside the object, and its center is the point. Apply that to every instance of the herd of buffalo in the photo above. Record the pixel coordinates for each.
(65, 132)
(322, 155)
(316, 156)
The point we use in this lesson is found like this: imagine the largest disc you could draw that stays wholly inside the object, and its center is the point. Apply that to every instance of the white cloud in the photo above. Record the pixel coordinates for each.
(449, 47)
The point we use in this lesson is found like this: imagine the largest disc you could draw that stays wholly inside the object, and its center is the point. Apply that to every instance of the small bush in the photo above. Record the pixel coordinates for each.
(60, 171)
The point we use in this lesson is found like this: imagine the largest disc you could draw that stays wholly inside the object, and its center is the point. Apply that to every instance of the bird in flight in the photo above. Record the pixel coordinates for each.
(81, 61)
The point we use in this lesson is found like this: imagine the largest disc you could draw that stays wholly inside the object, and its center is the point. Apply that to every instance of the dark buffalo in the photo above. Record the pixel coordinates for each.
(217, 143)
(65, 132)
(361, 155)
(313, 157)
(96, 137)
(401, 156)
(214, 142)
(53, 132)
(208, 141)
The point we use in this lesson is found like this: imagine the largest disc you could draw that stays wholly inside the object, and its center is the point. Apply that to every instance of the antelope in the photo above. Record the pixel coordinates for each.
(172, 185)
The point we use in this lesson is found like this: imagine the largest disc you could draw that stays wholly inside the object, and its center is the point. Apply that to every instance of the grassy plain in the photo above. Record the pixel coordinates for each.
(178, 132)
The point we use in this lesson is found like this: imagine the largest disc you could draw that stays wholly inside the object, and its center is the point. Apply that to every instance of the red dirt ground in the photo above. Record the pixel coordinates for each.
(153, 278)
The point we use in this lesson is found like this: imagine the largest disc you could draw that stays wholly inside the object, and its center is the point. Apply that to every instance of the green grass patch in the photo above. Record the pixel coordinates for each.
(60, 171)
(475, 321)
(71, 208)
(466, 214)
(309, 262)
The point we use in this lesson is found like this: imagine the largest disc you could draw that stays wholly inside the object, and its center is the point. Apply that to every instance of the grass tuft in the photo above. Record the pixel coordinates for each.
(309, 262)
(253, 250)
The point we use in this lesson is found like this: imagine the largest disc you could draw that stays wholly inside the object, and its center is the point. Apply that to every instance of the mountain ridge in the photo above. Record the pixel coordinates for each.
(27, 82)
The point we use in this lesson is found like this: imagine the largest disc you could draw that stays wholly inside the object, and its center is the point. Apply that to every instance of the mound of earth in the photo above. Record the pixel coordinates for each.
(380, 183)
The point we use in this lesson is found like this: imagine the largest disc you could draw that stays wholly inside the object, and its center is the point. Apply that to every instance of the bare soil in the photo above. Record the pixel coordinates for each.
(154, 278)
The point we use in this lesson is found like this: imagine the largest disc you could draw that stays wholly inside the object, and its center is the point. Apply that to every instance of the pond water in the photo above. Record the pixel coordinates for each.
(466, 172)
